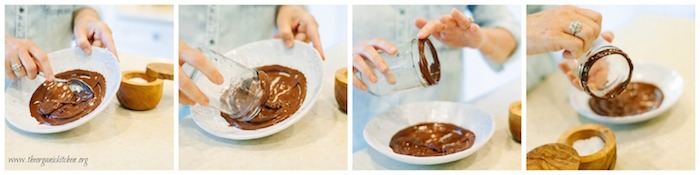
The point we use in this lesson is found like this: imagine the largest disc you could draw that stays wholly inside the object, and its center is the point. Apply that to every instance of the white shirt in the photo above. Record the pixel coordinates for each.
(223, 28)
(48, 26)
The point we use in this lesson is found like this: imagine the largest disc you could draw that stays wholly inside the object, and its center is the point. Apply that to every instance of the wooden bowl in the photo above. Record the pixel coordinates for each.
(601, 160)
(553, 156)
(138, 95)
(514, 119)
(341, 88)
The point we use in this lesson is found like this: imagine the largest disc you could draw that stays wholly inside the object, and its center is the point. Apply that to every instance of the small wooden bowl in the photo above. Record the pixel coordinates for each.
(137, 95)
(341, 88)
(514, 119)
(602, 160)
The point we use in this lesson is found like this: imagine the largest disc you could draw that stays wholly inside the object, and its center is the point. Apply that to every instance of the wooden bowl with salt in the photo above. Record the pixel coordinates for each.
(594, 156)
(143, 90)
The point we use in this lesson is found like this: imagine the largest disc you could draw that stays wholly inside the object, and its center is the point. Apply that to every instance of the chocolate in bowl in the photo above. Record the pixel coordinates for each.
(432, 139)
(53, 103)
(285, 92)
(637, 98)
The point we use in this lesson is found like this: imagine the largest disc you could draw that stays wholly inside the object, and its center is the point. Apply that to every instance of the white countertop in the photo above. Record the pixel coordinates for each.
(500, 152)
(118, 138)
(317, 141)
(665, 142)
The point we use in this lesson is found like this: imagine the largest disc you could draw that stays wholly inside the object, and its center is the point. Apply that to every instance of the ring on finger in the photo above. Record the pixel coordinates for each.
(16, 67)
(575, 27)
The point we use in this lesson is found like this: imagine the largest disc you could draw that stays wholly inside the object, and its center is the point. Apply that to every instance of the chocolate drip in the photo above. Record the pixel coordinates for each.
(431, 73)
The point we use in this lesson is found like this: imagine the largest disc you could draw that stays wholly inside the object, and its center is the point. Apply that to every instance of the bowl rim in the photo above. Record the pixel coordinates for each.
(267, 131)
(83, 120)
(432, 159)
(638, 117)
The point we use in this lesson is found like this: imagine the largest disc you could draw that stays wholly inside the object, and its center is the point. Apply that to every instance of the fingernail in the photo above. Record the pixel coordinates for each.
(86, 51)
(382, 68)
(363, 88)
(373, 78)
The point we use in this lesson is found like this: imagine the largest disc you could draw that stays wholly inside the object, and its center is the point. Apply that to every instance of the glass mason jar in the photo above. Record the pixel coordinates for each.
(604, 70)
(414, 65)
(242, 92)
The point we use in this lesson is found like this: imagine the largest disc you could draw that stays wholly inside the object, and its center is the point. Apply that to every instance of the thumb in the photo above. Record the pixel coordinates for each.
(420, 22)
(284, 25)
(81, 38)
(608, 36)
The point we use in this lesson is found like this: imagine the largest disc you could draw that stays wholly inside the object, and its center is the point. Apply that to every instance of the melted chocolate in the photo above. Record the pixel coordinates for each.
(54, 103)
(637, 98)
(432, 139)
(431, 73)
(589, 64)
(285, 90)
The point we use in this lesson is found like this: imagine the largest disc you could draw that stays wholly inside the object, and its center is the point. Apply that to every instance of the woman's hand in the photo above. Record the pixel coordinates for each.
(26, 58)
(598, 74)
(189, 92)
(548, 31)
(90, 31)
(294, 22)
(366, 57)
(454, 29)
(458, 30)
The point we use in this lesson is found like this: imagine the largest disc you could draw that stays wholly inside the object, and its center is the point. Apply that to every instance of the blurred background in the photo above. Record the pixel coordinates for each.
(144, 30)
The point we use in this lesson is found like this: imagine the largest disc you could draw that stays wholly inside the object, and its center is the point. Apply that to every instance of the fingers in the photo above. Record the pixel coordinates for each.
(463, 21)
(8, 67)
(358, 63)
(105, 37)
(188, 88)
(448, 21)
(589, 32)
(570, 74)
(369, 51)
(198, 61)
(97, 43)
(284, 25)
(420, 22)
(568, 42)
(590, 14)
(16, 61)
(28, 64)
(357, 82)
(608, 36)
(81, 37)
(429, 28)
(312, 33)
(42, 62)
(184, 99)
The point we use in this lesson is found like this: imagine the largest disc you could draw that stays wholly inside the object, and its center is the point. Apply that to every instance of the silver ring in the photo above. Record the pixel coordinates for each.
(16, 67)
(575, 27)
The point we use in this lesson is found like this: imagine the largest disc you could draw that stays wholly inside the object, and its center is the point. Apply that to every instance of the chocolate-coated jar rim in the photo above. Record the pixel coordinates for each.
(424, 67)
(589, 64)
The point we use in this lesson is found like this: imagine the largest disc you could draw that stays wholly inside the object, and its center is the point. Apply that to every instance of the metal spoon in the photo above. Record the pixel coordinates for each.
(78, 86)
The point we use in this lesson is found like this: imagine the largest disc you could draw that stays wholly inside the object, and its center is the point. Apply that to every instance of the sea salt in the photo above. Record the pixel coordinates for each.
(589, 146)
(138, 80)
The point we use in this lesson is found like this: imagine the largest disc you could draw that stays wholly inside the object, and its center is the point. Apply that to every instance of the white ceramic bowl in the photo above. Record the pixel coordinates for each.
(301, 57)
(19, 92)
(668, 80)
(380, 129)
